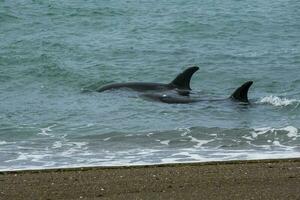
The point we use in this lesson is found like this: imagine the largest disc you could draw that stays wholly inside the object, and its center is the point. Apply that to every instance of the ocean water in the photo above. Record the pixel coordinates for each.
(53, 51)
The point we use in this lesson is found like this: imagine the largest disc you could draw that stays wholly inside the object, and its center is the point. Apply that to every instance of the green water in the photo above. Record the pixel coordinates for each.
(51, 52)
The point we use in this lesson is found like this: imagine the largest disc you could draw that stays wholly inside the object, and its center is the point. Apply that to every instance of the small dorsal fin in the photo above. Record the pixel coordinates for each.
(182, 81)
(241, 94)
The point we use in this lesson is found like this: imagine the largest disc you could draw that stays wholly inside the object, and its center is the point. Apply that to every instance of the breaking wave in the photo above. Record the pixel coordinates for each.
(290, 131)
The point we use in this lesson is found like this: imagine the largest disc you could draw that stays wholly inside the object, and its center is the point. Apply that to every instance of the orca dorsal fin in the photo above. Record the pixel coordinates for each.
(182, 81)
(241, 94)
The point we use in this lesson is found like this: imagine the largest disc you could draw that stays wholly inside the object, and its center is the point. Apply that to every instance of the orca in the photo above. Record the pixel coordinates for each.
(239, 95)
(181, 84)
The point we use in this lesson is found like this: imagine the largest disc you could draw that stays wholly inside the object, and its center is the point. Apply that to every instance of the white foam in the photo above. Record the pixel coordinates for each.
(194, 156)
(57, 144)
(79, 145)
(129, 135)
(277, 143)
(291, 131)
(29, 157)
(165, 142)
(3, 142)
(45, 131)
(260, 131)
(75, 147)
(279, 102)
(136, 157)
(199, 142)
(247, 137)
(272, 155)
(89, 125)
(106, 139)
(149, 134)
(186, 131)
(182, 156)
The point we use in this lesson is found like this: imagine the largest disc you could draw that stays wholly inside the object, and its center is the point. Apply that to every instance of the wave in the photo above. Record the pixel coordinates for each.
(5, 17)
(279, 101)
(290, 131)
(195, 144)
(3, 142)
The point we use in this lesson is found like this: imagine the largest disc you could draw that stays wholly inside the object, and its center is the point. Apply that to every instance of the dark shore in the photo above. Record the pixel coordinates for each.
(259, 179)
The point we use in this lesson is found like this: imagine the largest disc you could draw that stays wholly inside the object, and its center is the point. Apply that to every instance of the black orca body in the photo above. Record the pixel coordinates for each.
(181, 84)
(239, 95)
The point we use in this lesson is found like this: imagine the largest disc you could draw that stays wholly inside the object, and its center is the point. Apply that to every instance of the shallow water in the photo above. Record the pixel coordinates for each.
(51, 52)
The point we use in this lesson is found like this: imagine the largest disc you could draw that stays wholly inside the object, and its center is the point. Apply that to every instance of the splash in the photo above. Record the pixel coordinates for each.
(279, 102)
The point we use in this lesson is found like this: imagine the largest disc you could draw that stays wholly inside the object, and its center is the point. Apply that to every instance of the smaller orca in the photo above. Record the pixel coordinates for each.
(181, 84)
(239, 95)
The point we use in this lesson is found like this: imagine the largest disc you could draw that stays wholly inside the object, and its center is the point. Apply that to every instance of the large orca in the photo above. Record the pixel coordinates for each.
(181, 84)
(239, 95)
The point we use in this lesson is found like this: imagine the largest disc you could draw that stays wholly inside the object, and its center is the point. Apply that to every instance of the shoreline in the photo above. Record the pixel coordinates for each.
(237, 179)
(197, 163)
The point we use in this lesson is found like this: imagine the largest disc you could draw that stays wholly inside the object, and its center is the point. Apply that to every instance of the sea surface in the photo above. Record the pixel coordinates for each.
(55, 54)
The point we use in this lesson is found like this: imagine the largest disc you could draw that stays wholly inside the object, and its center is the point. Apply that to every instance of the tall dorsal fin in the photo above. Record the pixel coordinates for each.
(182, 81)
(241, 94)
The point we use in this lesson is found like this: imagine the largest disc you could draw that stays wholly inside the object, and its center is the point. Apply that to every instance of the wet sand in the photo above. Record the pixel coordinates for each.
(259, 179)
